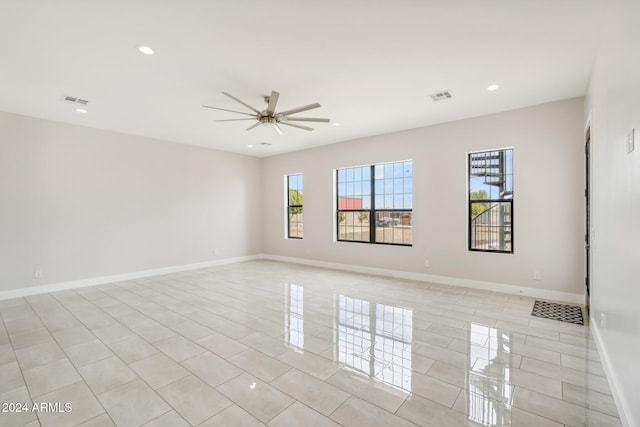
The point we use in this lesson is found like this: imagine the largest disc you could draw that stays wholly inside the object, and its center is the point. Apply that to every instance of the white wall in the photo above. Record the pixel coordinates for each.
(613, 102)
(82, 203)
(548, 202)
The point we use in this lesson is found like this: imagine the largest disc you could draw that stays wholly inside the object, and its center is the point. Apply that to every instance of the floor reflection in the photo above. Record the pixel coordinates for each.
(490, 393)
(294, 315)
(375, 340)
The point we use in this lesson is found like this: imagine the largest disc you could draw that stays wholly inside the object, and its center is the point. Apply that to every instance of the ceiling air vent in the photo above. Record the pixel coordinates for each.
(266, 144)
(76, 100)
(441, 96)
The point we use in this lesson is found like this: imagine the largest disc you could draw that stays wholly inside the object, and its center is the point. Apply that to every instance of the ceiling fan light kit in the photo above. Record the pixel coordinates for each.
(269, 117)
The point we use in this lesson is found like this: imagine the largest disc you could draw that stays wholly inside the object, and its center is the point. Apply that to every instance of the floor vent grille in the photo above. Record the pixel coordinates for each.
(561, 312)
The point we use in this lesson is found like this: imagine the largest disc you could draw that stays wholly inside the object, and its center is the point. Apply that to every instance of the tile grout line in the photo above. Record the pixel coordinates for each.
(67, 356)
(24, 380)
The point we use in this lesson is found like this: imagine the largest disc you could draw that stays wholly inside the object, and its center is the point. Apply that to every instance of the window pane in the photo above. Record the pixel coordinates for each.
(295, 223)
(394, 227)
(342, 190)
(398, 185)
(491, 226)
(407, 185)
(408, 168)
(366, 202)
(388, 201)
(357, 189)
(353, 226)
(478, 189)
(398, 170)
(493, 195)
(388, 171)
(398, 200)
(379, 187)
(408, 201)
(357, 174)
(366, 173)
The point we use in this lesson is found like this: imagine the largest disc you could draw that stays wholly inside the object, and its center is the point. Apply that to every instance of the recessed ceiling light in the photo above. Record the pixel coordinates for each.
(493, 87)
(249, 146)
(335, 124)
(146, 50)
(81, 111)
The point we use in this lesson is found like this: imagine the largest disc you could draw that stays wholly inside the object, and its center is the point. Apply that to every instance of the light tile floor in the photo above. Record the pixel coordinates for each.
(267, 343)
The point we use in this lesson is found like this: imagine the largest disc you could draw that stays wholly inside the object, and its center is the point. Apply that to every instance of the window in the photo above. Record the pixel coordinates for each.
(490, 175)
(375, 203)
(295, 200)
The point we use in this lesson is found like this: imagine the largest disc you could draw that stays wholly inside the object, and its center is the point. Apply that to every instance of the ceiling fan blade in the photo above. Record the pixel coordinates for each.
(233, 120)
(305, 119)
(277, 129)
(297, 126)
(273, 100)
(252, 126)
(231, 111)
(300, 109)
(241, 102)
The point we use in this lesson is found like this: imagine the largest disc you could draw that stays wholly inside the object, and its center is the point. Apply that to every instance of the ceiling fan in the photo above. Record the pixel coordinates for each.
(269, 116)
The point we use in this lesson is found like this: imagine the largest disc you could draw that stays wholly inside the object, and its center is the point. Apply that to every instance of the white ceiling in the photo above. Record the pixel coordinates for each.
(371, 64)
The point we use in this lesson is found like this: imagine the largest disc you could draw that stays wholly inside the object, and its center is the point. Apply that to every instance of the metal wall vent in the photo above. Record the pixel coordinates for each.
(76, 100)
(441, 96)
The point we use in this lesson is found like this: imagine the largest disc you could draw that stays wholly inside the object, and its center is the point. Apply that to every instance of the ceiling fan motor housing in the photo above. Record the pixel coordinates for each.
(268, 120)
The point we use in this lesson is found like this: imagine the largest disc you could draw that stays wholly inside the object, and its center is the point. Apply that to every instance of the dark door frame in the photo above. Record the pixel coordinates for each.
(587, 234)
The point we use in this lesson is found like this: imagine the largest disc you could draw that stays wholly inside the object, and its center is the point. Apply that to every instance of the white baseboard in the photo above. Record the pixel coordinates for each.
(624, 409)
(62, 286)
(443, 280)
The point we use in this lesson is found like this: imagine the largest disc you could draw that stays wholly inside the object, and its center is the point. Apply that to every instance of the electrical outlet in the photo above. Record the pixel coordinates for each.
(537, 275)
(427, 263)
(38, 274)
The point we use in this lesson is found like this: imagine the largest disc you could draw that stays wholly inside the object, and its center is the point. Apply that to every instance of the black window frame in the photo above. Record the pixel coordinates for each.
(506, 200)
(290, 206)
(372, 211)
